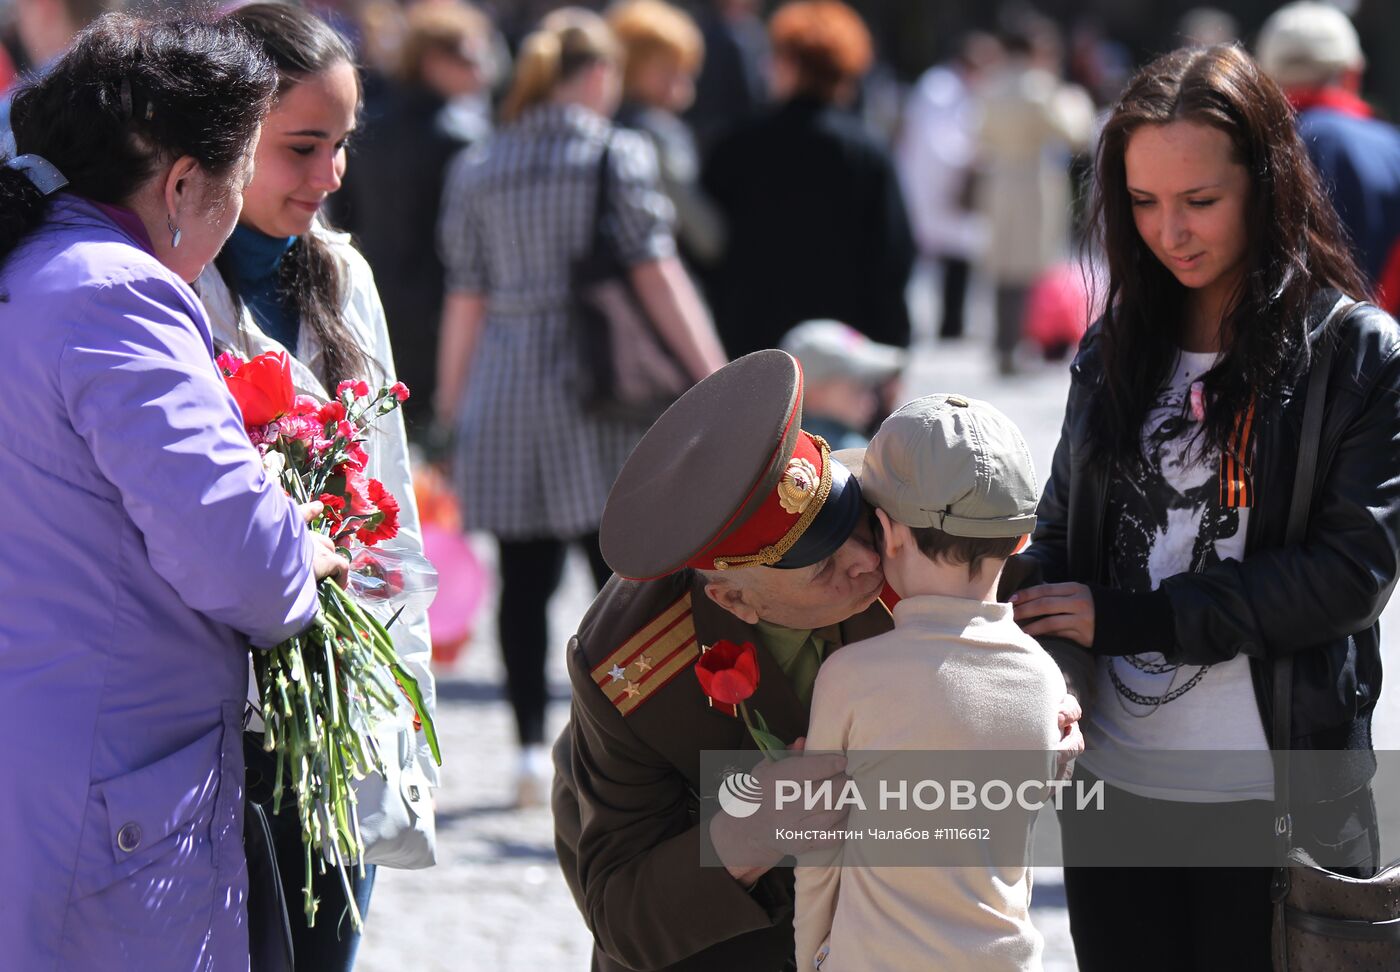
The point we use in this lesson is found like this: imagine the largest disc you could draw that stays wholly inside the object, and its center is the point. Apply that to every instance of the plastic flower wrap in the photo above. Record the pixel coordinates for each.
(323, 691)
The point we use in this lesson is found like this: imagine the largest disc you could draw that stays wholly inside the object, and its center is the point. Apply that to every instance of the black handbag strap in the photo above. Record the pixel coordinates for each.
(1347, 929)
(602, 197)
(1304, 480)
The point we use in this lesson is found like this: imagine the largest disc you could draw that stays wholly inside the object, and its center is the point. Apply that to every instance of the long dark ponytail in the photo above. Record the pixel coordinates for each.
(311, 278)
(1296, 247)
(128, 94)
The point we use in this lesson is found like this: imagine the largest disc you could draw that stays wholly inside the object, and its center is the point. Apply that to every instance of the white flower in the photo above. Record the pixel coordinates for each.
(274, 463)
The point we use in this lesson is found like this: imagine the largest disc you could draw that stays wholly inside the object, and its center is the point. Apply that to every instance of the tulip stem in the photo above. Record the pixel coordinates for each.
(770, 745)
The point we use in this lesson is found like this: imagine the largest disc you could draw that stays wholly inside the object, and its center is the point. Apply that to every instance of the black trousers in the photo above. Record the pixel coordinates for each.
(332, 944)
(1191, 919)
(1011, 309)
(530, 573)
(955, 274)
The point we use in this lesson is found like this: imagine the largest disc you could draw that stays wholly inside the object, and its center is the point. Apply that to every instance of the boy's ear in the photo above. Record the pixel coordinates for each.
(733, 599)
(890, 541)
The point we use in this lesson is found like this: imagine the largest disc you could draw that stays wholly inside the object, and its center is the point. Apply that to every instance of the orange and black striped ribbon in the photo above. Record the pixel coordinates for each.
(1236, 478)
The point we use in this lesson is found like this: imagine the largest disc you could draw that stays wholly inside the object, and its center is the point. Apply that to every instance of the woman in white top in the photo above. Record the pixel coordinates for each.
(1164, 524)
(286, 282)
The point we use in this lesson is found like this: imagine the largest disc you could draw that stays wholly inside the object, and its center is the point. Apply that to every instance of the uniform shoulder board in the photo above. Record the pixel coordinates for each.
(663, 648)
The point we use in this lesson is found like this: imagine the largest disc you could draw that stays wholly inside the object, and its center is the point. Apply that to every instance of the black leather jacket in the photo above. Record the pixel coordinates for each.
(1319, 601)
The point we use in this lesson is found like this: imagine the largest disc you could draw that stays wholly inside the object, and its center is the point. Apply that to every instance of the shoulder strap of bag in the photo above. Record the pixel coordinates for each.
(1304, 480)
(602, 195)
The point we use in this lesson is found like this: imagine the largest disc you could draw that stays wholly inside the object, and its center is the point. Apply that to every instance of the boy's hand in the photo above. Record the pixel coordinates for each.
(1059, 610)
(1071, 738)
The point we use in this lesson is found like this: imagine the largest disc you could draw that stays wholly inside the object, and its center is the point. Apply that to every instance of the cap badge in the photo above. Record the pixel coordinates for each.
(798, 487)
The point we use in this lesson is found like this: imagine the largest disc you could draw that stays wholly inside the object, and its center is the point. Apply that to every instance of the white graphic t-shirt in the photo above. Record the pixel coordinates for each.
(1166, 517)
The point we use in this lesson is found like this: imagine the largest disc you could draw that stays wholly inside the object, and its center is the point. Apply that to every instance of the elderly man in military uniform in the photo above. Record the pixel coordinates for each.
(728, 521)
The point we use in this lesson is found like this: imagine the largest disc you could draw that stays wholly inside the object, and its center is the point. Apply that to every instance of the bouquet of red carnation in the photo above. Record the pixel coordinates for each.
(323, 691)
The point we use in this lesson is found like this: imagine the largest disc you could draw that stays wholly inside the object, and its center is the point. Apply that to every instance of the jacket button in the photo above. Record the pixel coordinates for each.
(129, 837)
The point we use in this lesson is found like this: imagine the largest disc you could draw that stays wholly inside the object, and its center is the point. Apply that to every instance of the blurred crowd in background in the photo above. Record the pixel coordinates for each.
(970, 129)
(811, 157)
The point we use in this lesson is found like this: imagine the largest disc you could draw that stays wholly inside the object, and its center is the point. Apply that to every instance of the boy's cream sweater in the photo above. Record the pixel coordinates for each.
(955, 674)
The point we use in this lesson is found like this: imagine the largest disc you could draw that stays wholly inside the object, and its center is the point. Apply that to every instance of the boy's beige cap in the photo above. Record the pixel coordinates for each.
(953, 463)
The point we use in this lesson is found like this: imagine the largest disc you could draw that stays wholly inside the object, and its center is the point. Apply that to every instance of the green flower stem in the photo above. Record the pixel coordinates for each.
(771, 746)
(320, 691)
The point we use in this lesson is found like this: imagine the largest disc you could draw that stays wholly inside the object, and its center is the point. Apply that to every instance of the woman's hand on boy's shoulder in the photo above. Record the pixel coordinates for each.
(1056, 610)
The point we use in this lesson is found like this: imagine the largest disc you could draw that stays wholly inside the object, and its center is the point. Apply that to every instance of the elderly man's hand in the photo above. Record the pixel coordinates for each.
(1071, 739)
(749, 846)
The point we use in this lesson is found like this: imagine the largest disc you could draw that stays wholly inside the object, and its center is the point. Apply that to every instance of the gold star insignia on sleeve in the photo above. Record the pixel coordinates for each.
(648, 660)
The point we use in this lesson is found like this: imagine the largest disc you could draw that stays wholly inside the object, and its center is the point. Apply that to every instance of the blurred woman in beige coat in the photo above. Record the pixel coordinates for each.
(1031, 120)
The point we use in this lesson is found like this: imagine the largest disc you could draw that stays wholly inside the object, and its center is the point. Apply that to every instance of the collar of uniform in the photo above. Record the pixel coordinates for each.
(785, 713)
(782, 643)
(782, 709)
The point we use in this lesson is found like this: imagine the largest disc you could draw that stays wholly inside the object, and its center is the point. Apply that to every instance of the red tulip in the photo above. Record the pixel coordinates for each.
(263, 388)
(728, 672)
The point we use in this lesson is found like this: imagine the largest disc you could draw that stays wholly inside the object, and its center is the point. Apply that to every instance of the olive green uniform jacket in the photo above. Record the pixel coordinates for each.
(626, 792)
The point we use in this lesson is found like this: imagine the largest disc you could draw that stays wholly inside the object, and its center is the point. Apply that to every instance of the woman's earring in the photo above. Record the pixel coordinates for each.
(174, 233)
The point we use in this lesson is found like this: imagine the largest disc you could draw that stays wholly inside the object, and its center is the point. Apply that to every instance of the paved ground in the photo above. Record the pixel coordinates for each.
(496, 900)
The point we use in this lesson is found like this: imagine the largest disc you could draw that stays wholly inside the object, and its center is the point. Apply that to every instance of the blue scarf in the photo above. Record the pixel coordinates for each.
(255, 260)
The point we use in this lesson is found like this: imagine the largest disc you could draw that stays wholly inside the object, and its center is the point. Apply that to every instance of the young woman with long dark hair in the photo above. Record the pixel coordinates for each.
(287, 282)
(1164, 519)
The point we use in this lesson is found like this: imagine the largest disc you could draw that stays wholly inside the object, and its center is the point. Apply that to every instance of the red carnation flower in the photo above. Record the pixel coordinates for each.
(357, 487)
(384, 525)
(228, 363)
(356, 456)
(399, 390)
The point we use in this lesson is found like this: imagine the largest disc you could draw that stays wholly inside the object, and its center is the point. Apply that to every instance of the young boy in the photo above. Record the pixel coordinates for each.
(955, 496)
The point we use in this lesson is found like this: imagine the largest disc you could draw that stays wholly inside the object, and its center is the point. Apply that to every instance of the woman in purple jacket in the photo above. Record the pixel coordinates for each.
(145, 546)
